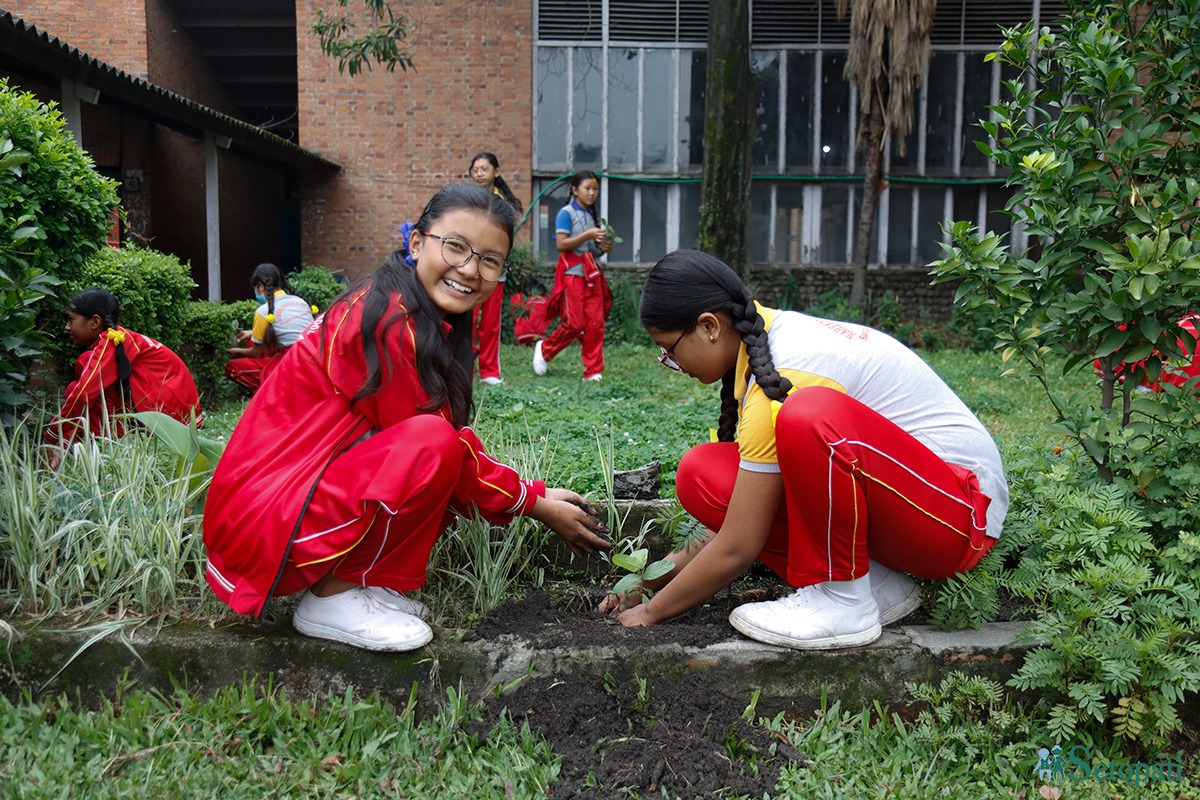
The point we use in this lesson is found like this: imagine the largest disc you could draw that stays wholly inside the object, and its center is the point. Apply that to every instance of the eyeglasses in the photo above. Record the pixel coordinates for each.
(455, 252)
(667, 358)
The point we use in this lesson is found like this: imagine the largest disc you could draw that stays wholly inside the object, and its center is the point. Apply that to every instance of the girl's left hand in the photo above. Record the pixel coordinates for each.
(635, 617)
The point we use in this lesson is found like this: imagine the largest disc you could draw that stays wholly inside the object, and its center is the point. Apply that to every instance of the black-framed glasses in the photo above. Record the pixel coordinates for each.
(455, 252)
(667, 357)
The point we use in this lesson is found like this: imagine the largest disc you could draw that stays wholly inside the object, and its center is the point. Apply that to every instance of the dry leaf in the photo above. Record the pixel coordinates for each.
(1050, 792)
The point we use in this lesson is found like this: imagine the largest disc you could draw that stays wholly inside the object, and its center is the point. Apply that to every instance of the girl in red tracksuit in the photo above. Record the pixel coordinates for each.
(278, 323)
(485, 170)
(120, 371)
(355, 456)
(581, 295)
(843, 462)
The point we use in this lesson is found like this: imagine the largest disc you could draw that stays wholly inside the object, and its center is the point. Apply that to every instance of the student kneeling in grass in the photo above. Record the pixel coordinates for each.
(355, 456)
(844, 461)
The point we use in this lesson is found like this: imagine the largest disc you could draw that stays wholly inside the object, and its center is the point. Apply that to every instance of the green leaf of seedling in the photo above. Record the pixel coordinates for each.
(634, 562)
(630, 581)
(658, 569)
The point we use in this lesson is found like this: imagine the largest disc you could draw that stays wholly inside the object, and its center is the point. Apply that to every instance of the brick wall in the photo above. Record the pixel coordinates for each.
(400, 136)
(113, 31)
(176, 64)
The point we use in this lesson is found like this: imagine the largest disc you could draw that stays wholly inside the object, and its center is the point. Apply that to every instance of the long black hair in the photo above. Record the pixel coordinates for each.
(687, 283)
(97, 302)
(579, 178)
(500, 183)
(444, 363)
(271, 277)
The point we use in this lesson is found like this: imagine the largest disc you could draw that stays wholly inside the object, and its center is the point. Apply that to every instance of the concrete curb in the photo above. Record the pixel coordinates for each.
(204, 659)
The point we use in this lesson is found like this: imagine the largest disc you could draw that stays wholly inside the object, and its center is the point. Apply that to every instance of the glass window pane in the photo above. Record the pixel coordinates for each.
(789, 223)
(588, 97)
(998, 221)
(620, 217)
(764, 66)
(835, 114)
(689, 215)
(835, 208)
(932, 218)
(966, 204)
(900, 226)
(906, 163)
(691, 109)
(548, 205)
(654, 223)
(622, 109)
(552, 108)
(977, 96)
(658, 112)
(799, 125)
(942, 113)
(760, 222)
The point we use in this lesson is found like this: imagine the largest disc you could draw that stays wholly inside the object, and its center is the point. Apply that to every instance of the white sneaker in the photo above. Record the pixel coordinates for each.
(896, 594)
(808, 619)
(491, 381)
(539, 364)
(597, 377)
(357, 617)
(393, 599)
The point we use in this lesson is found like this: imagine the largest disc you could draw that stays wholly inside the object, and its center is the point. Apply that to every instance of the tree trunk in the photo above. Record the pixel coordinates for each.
(728, 136)
(872, 188)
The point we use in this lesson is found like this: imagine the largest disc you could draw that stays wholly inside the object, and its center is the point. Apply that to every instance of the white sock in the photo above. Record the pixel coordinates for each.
(849, 593)
(879, 573)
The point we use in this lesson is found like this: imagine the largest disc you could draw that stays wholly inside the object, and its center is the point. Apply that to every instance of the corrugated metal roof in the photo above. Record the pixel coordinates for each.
(22, 43)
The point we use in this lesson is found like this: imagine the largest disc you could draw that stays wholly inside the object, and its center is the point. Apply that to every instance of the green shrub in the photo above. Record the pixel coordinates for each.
(208, 333)
(318, 285)
(54, 211)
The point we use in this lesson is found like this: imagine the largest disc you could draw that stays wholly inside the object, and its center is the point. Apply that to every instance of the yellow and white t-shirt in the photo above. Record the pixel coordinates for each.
(879, 372)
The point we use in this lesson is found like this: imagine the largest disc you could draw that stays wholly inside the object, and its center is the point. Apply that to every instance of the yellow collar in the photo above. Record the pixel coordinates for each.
(742, 375)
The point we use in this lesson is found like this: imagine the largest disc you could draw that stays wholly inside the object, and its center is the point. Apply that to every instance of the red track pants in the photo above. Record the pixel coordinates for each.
(250, 372)
(857, 486)
(410, 471)
(582, 318)
(487, 333)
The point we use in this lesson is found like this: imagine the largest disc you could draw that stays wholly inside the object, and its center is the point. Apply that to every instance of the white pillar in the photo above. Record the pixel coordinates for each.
(212, 216)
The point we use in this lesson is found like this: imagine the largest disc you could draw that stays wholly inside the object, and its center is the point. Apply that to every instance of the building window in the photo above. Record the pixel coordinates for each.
(620, 90)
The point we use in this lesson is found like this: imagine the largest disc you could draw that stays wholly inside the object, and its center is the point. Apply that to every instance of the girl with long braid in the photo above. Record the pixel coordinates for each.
(278, 324)
(842, 462)
(119, 371)
(357, 454)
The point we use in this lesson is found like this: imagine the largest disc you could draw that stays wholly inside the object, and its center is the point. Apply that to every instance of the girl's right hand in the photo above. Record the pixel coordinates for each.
(614, 604)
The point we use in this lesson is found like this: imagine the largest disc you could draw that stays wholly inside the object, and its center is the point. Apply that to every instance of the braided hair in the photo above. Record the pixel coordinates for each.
(444, 363)
(271, 277)
(101, 303)
(687, 283)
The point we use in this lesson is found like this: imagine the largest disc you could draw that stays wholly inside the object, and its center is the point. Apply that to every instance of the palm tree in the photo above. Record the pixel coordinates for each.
(889, 52)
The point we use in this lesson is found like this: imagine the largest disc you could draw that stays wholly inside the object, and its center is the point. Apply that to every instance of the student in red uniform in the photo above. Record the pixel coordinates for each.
(843, 463)
(485, 170)
(581, 295)
(278, 324)
(120, 371)
(356, 455)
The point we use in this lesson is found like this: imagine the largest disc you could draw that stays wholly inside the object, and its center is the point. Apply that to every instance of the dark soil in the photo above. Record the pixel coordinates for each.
(621, 740)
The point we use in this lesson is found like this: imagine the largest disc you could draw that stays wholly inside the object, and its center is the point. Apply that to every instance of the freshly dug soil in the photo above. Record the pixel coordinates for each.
(620, 740)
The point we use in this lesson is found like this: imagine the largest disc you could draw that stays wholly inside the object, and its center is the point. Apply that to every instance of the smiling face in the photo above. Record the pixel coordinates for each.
(455, 290)
(81, 330)
(483, 173)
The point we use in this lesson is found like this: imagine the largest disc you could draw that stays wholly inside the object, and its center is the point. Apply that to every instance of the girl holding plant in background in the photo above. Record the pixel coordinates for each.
(354, 458)
(278, 324)
(119, 372)
(843, 461)
(485, 170)
(581, 295)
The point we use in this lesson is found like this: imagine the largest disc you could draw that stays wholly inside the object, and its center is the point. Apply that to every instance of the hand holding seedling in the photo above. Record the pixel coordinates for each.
(573, 518)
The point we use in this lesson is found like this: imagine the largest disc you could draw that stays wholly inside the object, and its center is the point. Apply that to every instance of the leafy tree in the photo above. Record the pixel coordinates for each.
(1101, 139)
(887, 58)
(728, 136)
(382, 42)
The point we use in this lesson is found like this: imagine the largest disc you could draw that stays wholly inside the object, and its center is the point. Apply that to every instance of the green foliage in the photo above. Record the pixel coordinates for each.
(54, 211)
(1102, 142)
(318, 285)
(380, 44)
(196, 455)
(252, 740)
(208, 334)
(152, 289)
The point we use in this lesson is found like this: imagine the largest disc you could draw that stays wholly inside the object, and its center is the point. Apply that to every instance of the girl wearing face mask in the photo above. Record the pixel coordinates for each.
(278, 323)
